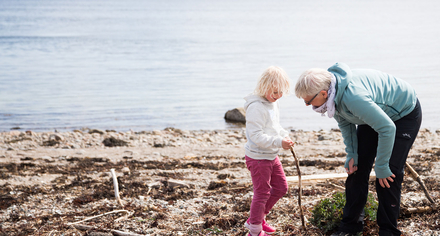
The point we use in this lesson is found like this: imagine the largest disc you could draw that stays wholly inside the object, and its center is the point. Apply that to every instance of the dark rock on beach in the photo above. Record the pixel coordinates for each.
(236, 115)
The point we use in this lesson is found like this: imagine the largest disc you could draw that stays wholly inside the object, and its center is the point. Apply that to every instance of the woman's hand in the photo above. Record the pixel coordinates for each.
(287, 143)
(384, 181)
(351, 169)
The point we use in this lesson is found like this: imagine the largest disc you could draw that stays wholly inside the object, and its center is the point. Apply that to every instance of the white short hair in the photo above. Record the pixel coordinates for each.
(312, 81)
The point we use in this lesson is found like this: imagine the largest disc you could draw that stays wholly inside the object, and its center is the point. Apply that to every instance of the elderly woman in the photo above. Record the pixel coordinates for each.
(379, 117)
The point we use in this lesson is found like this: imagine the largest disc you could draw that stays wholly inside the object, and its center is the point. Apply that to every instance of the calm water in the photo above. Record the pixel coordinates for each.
(146, 65)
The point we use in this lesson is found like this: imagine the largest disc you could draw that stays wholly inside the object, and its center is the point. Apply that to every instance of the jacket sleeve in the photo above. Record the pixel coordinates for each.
(255, 122)
(349, 136)
(283, 133)
(363, 107)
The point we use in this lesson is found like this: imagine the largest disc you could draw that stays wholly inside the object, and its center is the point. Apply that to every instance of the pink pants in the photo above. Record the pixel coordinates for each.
(270, 185)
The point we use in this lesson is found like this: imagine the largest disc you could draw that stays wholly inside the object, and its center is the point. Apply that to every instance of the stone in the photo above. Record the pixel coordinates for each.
(236, 115)
(126, 170)
(97, 131)
(114, 142)
(56, 137)
(177, 184)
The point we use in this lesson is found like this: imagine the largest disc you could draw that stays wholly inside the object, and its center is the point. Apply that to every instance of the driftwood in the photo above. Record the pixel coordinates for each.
(299, 188)
(116, 187)
(416, 176)
(312, 179)
(422, 209)
(93, 217)
(328, 183)
(121, 233)
(113, 231)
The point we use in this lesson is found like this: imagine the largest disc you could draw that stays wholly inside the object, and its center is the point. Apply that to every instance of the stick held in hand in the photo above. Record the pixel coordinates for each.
(300, 188)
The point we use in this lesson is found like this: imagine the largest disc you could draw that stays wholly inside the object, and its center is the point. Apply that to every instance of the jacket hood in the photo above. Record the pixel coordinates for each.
(251, 98)
(343, 76)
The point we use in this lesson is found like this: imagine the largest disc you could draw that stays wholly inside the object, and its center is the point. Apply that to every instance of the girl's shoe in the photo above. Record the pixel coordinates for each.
(269, 229)
(266, 227)
(262, 233)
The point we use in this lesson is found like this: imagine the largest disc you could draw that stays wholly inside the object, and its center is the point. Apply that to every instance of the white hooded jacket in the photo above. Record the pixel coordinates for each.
(263, 130)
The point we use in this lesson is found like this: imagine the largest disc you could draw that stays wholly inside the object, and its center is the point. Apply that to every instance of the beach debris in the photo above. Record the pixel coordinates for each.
(126, 170)
(115, 185)
(172, 183)
(299, 188)
(40, 198)
(100, 215)
(54, 139)
(114, 232)
(236, 115)
(419, 210)
(216, 184)
(313, 179)
(416, 176)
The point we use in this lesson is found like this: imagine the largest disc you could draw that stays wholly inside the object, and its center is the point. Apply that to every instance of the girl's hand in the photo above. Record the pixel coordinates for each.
(384, 181)
(287, 143)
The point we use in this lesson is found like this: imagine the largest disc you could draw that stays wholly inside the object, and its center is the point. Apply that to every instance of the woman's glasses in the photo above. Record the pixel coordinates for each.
(311, 100)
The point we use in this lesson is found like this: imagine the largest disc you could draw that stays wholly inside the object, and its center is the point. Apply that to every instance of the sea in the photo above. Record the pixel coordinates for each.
(149, 65)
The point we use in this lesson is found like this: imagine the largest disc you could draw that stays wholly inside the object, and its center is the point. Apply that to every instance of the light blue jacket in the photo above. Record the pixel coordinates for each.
(371, 97)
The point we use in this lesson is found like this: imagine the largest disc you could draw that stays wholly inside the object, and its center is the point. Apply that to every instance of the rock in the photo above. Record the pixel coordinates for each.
(126, 170)
(92, 131)
(30, 132)
(56, 137)
(236, 115)
(114, 142)
(324, 137)
(14, 133)
(177, 184)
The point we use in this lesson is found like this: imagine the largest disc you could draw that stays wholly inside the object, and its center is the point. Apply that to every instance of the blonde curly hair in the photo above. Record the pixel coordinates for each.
(274, 78)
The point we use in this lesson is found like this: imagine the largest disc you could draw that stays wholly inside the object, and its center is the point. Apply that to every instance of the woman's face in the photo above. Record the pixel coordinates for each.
(316, 100)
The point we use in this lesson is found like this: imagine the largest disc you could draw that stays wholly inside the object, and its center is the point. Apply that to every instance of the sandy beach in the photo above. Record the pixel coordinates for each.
(178, 182)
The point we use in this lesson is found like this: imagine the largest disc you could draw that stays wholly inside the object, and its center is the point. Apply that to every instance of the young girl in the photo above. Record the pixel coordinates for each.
(265, 137)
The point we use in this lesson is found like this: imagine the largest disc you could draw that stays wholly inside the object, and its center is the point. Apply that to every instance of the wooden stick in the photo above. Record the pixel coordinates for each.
(335, 186)
(419, 210)
(93, 217)
(300, 189)
(121, 233)
(115, 185)
(113, 231)
(310, 179)
(125, 217)
(418, 179)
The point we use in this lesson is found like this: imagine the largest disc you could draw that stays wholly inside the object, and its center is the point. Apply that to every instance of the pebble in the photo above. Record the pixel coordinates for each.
(172, 137)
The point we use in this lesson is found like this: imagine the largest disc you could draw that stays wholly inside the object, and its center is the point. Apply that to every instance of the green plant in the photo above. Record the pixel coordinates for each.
(327, 214)
(215, 230)
(371, 207)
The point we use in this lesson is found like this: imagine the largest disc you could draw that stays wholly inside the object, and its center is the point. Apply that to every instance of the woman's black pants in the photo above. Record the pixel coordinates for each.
(356, 185)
